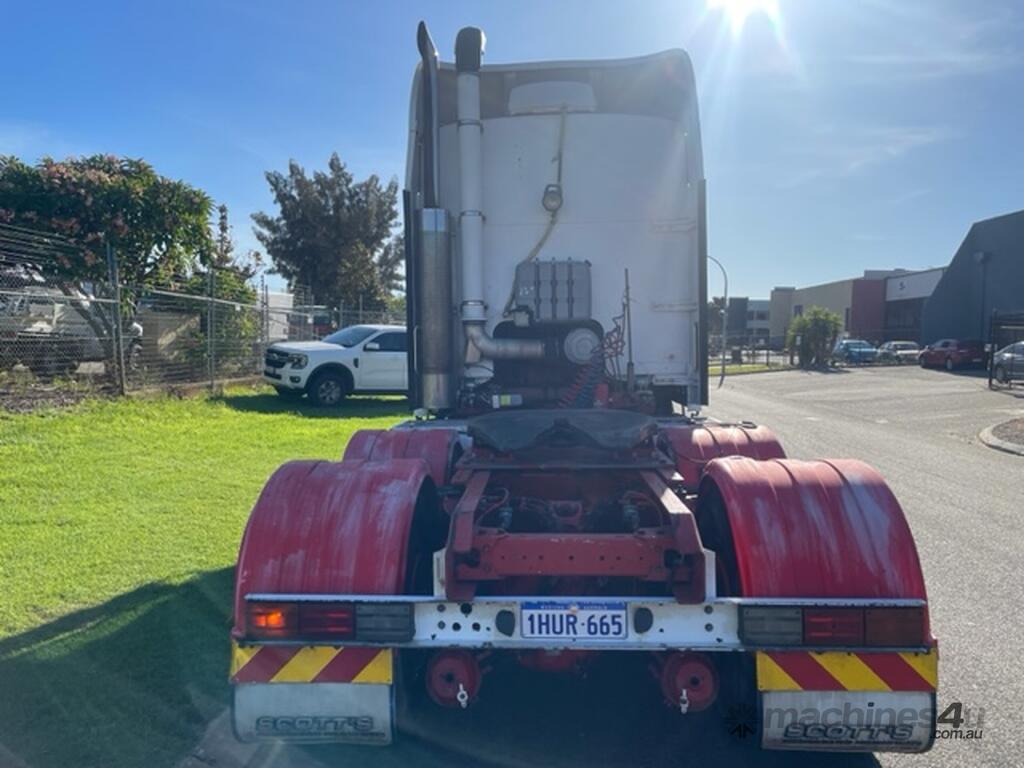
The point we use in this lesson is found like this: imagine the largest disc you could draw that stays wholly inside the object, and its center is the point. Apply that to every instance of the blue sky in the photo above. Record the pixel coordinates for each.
(838, 135)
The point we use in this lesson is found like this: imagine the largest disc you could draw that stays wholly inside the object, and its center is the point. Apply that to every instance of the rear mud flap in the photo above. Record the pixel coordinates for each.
(313, 693)
(848, 721)
(848, 701)
(346, 713)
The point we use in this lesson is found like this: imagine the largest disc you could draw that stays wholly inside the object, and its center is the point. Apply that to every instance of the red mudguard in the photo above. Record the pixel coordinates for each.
(321, 527)
(695, 446)
(816, 529)
(437, 446)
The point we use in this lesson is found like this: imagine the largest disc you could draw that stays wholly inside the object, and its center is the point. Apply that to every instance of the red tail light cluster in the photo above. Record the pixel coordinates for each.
(305, 620)
(776, 626)
(833, 626)
(326, 621)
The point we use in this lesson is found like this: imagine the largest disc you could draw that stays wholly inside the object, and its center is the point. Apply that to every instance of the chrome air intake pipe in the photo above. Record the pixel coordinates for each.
(469, 50)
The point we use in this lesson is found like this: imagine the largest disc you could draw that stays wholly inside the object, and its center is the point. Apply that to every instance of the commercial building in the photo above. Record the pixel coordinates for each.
(985, 275)
(905, 297)
(748, 321)
(880, 305)
(859, 301)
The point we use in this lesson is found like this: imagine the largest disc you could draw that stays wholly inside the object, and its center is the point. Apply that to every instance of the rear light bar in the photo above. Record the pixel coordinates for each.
(780, 626)
(326, 621)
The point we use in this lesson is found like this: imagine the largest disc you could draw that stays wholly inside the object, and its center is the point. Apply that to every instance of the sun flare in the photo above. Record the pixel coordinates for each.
(738, 11)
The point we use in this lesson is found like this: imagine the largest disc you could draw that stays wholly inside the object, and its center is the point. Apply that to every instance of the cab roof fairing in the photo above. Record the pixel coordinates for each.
(691, 109)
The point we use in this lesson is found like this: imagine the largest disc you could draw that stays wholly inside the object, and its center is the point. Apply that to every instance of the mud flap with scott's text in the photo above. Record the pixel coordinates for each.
(313, 694)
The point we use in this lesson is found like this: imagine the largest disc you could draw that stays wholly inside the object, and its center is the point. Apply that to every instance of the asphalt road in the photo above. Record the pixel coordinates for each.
(964, 502)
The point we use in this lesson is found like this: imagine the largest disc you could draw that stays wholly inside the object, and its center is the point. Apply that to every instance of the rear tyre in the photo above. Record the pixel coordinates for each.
(328, 389)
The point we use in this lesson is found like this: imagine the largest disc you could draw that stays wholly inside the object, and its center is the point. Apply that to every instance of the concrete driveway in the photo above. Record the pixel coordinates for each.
(964, 502)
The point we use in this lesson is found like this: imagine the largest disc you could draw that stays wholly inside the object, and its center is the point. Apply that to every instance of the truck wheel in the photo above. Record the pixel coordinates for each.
(328, 389)
(49, 363)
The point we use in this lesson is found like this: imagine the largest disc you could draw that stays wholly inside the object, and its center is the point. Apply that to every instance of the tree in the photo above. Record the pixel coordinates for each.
(156, 226)
(813, 334)
(716, 312)
(224, 246)
(236, 326)
(396, 306)
(391, 264)
(329, 232)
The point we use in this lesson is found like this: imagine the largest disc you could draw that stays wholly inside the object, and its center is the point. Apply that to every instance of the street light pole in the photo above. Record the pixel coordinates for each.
(725, 312)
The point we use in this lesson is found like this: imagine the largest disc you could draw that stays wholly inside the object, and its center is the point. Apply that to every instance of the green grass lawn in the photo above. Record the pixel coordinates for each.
(119, 525)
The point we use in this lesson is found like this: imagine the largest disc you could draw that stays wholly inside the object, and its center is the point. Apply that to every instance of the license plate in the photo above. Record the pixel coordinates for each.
(583, 620)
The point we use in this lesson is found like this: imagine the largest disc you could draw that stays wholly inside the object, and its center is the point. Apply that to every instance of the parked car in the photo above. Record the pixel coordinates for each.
(1008, 363)
(360, 359)
(899, 351)
(51, 332)
(853, 351)
(952, 354)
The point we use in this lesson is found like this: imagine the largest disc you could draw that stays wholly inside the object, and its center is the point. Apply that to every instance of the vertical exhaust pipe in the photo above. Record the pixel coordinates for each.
(469, 51)
(433, 335)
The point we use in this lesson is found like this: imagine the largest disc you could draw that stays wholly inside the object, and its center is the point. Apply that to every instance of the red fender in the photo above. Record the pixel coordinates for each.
(814, 529)
(323, 527)
(696, 445)
(437, 446)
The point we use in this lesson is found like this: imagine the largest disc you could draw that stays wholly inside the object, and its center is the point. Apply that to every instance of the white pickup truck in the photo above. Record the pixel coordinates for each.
(360, 359)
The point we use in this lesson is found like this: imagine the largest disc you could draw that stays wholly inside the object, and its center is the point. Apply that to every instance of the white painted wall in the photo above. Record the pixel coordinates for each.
(915, 285)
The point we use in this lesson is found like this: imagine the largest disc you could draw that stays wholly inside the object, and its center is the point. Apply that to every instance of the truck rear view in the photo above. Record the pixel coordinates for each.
(558, 499)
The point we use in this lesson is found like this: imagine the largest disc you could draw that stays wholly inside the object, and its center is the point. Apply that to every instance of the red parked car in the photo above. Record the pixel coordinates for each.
(953, 353)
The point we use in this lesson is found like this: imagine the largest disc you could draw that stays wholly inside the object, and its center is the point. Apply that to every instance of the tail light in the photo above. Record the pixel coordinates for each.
(894, 626)
(833, 626)
(300, 620)
(769, 626)
(326, 621)
(272, 621)
(330, 621)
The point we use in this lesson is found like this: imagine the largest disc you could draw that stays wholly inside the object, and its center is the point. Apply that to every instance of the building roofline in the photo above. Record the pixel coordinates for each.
(998, 216)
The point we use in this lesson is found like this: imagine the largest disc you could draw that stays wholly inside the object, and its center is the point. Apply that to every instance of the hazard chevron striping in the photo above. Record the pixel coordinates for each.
(308, 664)
(846, 671)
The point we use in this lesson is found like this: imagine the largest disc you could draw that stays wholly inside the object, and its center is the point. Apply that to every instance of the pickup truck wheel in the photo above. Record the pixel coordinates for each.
(328, 389)
(949, 364)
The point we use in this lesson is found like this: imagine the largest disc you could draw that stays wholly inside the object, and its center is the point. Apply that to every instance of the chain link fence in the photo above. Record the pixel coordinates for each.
(62, 339)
